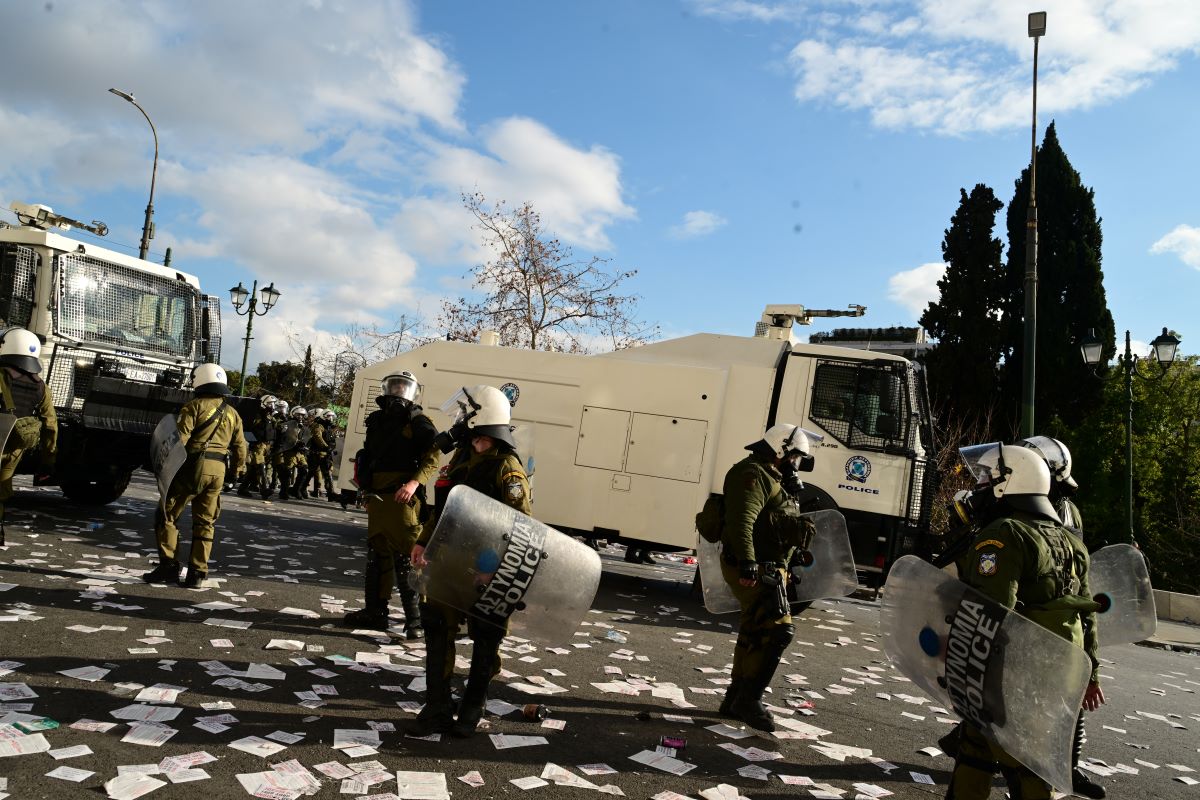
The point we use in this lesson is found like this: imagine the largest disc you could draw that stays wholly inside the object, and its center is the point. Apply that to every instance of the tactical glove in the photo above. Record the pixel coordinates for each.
(748, 570)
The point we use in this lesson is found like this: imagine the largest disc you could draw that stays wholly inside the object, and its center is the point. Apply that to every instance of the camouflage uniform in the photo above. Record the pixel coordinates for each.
(497, 473)
(754, 502)
(23, 395)
(200, 479)
(1036, 566)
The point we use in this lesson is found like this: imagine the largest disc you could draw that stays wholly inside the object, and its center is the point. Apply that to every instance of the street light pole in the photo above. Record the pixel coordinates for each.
(1037, 28)
(148, 225)
(1165, 346)
(238, 295)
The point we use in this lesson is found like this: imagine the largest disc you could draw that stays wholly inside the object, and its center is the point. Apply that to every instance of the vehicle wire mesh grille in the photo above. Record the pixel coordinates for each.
(18, 267)
(212, 306)
(89, 307)
(73, 372)
(863, 406)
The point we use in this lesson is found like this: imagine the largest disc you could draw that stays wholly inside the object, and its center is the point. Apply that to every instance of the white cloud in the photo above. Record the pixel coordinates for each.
(955, 66)
(1183, 241)
(916, 288)
(698, 223)
(577, 192)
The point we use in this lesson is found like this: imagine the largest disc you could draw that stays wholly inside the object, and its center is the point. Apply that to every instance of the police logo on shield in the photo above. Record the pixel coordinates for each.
(987, 564)
(858, 469)
(512, 392)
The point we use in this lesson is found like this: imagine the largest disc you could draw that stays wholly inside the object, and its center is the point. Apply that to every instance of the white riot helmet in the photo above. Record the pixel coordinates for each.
(1015, 474)
(485, 410)
(299, 412)
(317, 413)
(790, 442)
(1056, 456)
(330, 416)
(268, 401)
(403, 385)
(281, 407)
(210, 379)
(21, 349)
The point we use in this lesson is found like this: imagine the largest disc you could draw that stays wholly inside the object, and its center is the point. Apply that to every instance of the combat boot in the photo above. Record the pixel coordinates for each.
(285, 484)
(483, 661)
(165, 572)
(748, 705)
(195, 578)
(300, 487)
(374, 613)
(1081, 784)
(731, 693)
(438, 714)
(329, 493)
(413, 629)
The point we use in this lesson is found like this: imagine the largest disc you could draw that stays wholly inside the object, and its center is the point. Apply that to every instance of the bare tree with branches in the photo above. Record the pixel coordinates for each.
(537, 295)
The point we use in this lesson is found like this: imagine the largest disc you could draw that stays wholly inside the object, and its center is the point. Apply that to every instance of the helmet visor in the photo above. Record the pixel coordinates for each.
(403, 386)
(460, 407)
(1057, 459)
(982, 460)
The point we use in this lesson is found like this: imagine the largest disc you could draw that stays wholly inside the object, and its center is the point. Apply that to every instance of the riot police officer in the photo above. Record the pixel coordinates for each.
(264, 433)
(397, 460)
(320, 451)
(1062, 488)
(486, 460)
(1024, 558)
(28, 399)
(762, 527)
(294, 461)
(209, 428)
(279, 421)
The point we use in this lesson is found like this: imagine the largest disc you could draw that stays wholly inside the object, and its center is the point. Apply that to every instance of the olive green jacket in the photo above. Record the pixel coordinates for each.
(1037, 567)
(752, 492)
(216, 437)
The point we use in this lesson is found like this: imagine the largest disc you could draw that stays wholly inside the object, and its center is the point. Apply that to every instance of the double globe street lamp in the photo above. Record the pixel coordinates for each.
(1164, 346)
(238, 296)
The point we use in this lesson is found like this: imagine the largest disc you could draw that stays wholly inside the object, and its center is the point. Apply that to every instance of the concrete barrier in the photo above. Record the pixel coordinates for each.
(1177, 607)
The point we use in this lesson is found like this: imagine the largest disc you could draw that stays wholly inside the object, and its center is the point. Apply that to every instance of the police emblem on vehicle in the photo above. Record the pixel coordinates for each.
(858, 468)
(987, 564)
(512, 392)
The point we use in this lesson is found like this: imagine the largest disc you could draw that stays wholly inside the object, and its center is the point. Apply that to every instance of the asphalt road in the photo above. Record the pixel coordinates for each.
(70, 566)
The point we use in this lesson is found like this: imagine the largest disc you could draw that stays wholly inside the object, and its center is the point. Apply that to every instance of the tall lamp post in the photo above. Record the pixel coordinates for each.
(148, 225)
(1164, 346)
(238, 295)
(1037, 28)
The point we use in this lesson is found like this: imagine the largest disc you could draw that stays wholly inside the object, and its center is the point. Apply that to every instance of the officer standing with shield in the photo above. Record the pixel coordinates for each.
(1025, 560)
(1062, 488)
(28, 402)
(263, 431)
(209, 427)
(485, 460)
(397, 460)
(759, 534)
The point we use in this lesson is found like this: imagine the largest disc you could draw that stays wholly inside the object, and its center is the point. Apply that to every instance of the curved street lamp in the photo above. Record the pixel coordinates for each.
(148, 225)
(238, 296)
(1165, 346)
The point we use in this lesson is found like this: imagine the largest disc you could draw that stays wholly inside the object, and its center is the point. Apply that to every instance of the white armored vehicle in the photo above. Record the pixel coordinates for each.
(121, 336)
(629, 444)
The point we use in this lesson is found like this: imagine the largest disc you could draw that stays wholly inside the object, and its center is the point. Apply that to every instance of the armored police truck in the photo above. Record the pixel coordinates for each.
(626, 446)
(121, 338)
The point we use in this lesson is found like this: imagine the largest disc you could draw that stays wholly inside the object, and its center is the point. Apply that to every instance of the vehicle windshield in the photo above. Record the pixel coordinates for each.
(117, 305)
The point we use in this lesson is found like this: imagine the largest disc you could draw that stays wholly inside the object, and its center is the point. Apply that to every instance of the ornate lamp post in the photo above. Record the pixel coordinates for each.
(1164, 346)
(238, 295)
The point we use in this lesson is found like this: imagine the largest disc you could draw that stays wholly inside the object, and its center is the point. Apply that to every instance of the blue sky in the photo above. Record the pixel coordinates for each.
(736, 153)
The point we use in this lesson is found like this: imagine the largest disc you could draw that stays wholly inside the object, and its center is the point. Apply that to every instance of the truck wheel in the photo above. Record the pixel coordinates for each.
(96, 492)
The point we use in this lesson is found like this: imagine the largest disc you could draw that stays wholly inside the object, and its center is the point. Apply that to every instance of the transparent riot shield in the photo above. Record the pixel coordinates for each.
(826, 569)
(167, 455)
(1120, 582)
(494, 563)
(7, 421)
(294, 434)
(1020, 684)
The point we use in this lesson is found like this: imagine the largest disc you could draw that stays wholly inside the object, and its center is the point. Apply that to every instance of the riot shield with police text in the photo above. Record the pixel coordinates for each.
(825, 570)
(496, 564)
(1120, 582)
(167, 455)
(7, 421)
(1020, 684)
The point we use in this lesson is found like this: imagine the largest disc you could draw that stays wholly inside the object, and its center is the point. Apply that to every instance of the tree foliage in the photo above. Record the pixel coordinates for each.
(536, 294)
(963, 368)
(1071, 297)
